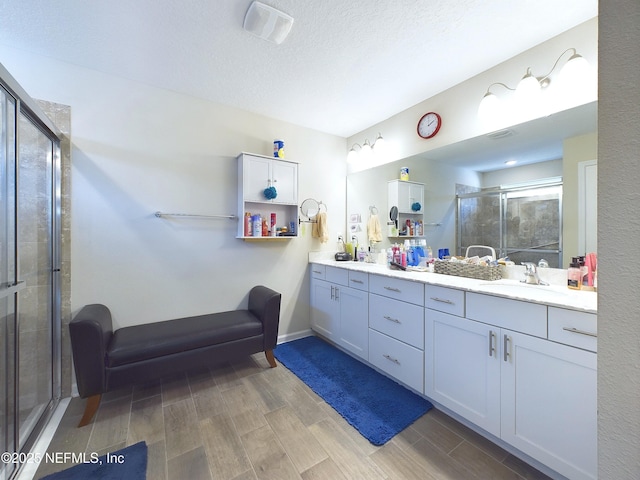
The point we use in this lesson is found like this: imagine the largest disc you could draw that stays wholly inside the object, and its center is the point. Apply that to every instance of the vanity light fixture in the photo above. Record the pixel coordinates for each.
(573, 75)
(366, 150)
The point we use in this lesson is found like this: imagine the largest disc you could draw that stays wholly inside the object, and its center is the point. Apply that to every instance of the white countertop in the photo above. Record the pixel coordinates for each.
(552, 295)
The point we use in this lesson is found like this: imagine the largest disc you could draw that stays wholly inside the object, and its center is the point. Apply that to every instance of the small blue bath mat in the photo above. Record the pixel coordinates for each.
(373, 404)
(130, 463)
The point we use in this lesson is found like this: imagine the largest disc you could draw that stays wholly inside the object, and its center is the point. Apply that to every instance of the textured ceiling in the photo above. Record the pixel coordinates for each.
(345, 66)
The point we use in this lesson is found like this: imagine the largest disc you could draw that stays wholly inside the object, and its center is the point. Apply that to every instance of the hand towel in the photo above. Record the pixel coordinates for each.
(319, 229)
(374, 231)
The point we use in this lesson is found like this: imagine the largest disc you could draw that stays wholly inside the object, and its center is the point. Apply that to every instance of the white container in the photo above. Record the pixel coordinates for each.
(257, 226)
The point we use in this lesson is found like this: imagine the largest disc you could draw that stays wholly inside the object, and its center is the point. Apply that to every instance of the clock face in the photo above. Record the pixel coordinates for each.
(429, 125)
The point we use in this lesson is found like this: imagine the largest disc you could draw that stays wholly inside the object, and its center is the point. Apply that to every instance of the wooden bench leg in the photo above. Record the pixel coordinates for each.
(270, 358)
(93, 403)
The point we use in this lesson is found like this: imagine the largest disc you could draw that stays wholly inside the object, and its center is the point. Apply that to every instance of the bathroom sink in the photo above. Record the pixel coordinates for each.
(524, 289)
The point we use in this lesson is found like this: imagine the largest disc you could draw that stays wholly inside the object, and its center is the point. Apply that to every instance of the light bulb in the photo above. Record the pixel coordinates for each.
(529, 87)
(488, 108)
(366, 150)
(352, 156)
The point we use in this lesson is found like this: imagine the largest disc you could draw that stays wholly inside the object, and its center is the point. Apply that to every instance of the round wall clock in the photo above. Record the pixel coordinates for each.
(429, 125)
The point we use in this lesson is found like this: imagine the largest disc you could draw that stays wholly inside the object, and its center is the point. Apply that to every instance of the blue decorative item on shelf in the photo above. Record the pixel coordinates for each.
(270, 193)
(416, 207)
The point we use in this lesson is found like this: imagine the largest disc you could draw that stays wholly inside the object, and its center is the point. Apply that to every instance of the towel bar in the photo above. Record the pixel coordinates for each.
(162, 214)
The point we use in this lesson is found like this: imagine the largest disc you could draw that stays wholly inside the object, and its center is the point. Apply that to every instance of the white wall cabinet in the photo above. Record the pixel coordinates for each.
(338, 312)
(405, 194)
(255, 174)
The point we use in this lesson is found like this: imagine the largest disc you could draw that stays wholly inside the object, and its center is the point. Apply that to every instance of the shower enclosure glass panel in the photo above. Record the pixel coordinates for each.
(29, 292)
(8, 276)
(35, 253)
(523, 224)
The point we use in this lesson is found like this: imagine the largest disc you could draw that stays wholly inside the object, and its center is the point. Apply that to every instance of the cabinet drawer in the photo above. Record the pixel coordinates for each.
(578, 329)
(359, 280)
(400, 320)
(403, 290)
(443, 299)
(524, 317)
(318, 271)
(337, 275)
(401, 361)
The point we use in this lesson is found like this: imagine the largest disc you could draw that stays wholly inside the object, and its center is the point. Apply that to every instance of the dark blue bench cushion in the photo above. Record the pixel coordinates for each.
(143, 342)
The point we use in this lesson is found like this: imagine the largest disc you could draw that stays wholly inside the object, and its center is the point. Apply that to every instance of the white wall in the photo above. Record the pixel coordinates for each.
(524, 173)
(618, 233)
(138, 149)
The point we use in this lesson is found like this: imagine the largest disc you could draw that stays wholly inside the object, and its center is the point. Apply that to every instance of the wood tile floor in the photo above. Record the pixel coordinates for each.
(248, 421)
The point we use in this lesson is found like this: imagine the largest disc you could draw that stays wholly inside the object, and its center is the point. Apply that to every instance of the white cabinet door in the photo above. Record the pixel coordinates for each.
(257, 177)
(354, 320)
(462, 368)
(405, 194)
(549, 404)
(262, 172)
(284, 177)
(325, 310)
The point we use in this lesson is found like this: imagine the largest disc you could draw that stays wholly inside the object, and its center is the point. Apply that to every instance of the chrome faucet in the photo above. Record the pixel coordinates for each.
(531, 274)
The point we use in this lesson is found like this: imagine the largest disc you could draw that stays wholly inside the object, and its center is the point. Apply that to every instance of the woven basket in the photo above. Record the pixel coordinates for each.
(480, 272)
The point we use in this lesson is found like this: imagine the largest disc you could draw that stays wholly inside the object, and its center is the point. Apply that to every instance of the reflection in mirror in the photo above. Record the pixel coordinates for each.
(540, 146)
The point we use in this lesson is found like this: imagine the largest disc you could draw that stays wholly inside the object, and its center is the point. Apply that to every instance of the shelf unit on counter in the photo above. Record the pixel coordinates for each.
(257, 173)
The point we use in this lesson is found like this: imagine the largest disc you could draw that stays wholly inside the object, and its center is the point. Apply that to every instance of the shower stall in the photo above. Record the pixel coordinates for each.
(521, 222)
(29, 272)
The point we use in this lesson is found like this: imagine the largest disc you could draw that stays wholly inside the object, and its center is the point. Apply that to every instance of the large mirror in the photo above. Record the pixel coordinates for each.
(552, 147)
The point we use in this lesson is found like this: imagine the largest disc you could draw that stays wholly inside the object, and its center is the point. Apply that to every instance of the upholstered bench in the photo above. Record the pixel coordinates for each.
(105, 360)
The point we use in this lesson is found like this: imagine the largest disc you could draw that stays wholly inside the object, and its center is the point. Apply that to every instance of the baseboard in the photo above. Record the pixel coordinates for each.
(289, 337)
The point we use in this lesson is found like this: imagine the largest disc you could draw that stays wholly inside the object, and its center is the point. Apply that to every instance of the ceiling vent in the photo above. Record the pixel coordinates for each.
(268, 23)
(500, 134)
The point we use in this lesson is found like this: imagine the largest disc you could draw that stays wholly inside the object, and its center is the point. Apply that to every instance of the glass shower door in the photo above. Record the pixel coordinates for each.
(8, 287)
(36, 266)
(524, 224)
(29, 294)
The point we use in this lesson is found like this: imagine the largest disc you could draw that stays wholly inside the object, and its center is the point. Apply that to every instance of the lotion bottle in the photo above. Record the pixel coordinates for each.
(574, 275)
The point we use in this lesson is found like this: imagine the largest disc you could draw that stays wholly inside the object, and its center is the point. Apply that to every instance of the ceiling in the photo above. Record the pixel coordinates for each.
(345, 66)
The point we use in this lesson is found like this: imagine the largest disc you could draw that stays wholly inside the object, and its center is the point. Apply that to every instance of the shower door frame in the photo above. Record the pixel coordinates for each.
(25, 106)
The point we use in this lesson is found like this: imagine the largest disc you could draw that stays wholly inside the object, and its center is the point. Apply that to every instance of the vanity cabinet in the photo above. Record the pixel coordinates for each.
(462, 368)
(549, 403)
(404, 195)
(396, 329)
(255, 174)
(497, 369)
(338, 312)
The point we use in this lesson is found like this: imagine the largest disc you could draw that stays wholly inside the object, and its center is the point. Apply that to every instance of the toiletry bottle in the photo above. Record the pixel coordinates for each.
(354, 241)
(574, 275)
(247, 224)
(584, 270)
(340, 244)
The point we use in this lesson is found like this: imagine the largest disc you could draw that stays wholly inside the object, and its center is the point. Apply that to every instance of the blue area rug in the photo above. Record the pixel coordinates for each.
(373, 404)
(130, 463)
